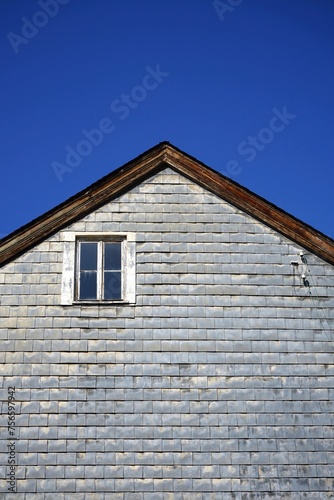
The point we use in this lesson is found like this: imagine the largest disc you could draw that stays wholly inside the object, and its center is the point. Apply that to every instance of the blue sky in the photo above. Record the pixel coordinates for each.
(246, 86)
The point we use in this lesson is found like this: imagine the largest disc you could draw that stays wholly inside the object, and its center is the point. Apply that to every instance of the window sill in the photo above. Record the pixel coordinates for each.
(101, 303)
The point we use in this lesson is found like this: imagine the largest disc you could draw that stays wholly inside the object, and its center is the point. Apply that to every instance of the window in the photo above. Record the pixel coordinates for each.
(98, 269)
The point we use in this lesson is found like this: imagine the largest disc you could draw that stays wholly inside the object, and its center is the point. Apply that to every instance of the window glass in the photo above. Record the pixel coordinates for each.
(100, 270)
(112, 285)
(112, 256)
(88, 281)
(88, 256)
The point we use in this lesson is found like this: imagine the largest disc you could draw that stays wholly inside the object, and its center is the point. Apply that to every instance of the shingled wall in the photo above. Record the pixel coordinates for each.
(216, 384)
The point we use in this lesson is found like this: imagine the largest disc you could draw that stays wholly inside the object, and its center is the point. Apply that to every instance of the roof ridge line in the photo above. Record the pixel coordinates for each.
(139, 169)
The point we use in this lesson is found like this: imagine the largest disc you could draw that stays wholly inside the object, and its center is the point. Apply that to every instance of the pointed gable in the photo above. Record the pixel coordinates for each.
(144, 166)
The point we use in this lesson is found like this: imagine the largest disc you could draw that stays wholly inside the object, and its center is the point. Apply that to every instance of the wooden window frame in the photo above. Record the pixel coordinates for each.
(100, 268)
(69, 291)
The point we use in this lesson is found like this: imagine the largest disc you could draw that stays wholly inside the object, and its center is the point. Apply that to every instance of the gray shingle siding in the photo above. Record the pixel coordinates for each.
(217, 383)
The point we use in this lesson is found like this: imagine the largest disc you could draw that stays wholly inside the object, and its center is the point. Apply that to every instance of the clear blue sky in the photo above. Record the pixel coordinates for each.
(246, 87)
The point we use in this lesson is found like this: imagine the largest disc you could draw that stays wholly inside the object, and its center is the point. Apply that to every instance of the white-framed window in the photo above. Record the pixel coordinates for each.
(98, 268)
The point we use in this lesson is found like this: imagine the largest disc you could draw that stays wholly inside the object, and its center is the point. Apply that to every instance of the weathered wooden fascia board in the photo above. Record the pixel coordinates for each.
(254, 205)
(108, 188)
(124, 178)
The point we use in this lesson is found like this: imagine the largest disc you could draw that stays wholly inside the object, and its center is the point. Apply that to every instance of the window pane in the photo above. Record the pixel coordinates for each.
(87, 285)
(88, 256)
(112, 256)
(112, 285)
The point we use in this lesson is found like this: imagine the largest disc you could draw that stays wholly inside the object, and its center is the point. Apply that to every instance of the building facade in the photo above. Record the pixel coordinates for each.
(167, 334)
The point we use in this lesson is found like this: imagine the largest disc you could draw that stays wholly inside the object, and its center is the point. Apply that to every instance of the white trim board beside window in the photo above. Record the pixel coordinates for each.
(98, 268)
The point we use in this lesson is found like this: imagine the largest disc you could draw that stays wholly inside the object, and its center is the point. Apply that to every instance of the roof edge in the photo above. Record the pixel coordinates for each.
(140, 168)
(84, 202)
(258, 207)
